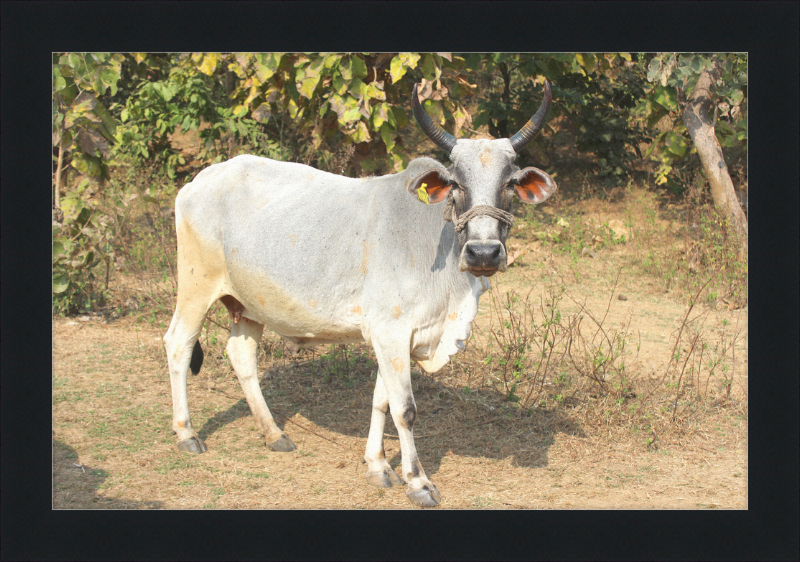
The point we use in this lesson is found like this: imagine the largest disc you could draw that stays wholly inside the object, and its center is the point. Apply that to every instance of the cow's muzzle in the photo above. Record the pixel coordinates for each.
(483, 257)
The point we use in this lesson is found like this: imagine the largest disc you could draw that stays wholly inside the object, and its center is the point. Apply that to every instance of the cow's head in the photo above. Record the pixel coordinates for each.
(479, 187)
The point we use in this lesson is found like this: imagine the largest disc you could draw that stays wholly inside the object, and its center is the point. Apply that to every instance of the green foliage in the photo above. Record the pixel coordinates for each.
(602, 110)
(82, 126)
(80, 244)
(596, 92)
(183, 99)
(318, 102)
(673, 77)
(349, 114)
(344, 362)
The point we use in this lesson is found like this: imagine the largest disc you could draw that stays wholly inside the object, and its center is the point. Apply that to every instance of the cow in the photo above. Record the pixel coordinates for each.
(398, 261)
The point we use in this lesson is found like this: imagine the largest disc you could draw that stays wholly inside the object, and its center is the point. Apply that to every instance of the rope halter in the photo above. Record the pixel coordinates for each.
(461, 222)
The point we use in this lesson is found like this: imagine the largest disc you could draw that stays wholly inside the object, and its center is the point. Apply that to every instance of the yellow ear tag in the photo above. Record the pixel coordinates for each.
(422, 194)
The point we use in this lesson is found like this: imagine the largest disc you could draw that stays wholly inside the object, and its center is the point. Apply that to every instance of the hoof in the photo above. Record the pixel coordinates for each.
(282, 445)
(192, 445)
(427, 496)
(385, 479)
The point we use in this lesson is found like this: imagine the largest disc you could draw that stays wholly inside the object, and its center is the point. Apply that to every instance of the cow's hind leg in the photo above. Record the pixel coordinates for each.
(179, 342)
(242, 351)
(379, 473)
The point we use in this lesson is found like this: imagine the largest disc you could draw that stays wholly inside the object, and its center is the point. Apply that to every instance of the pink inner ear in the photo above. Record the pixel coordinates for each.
(436, 186)
(534, 186)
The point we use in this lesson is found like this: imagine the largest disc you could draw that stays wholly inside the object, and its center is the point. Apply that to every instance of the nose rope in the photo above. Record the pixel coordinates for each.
(488, 210)
(461, 222)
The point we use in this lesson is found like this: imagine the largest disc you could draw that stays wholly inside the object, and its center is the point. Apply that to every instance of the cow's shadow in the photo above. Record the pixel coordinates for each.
(450, 420)
(77, 486)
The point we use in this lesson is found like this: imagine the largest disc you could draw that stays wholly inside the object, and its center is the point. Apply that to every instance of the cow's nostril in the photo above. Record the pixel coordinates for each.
(484, 255)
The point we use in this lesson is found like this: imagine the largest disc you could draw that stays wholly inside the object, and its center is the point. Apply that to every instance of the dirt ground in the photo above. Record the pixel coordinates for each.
(113, 447)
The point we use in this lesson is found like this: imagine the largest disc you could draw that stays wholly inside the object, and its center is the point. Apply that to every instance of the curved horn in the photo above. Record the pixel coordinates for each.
(439, 136)
(532, 127)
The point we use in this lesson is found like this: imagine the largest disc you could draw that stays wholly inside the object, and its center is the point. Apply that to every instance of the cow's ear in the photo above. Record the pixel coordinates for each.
(431, 187)
(533, 185)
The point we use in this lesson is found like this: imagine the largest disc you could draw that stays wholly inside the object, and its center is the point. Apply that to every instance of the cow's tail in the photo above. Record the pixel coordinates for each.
(197, 358)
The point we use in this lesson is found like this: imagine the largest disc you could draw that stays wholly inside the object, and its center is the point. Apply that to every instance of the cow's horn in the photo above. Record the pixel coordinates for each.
(439, 136)
(532, 127)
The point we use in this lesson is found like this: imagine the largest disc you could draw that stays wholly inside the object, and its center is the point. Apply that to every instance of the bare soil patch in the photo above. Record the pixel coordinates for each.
(113, 446)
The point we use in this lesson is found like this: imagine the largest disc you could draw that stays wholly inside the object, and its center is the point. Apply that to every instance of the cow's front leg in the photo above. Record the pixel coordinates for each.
(394, 363)
(379, 473)
(242, 351)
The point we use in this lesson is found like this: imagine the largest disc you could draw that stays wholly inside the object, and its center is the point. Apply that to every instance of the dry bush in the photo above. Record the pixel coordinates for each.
(683, 251)
(536, 357)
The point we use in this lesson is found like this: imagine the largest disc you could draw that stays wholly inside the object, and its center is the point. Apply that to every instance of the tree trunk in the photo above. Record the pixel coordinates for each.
(230, 85)
(701, 129)
(58, 174)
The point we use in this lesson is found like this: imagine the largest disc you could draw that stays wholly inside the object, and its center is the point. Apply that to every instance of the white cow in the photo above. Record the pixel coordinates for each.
(320, 258)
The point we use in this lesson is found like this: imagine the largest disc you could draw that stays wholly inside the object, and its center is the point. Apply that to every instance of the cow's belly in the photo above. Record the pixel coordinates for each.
(306, 320)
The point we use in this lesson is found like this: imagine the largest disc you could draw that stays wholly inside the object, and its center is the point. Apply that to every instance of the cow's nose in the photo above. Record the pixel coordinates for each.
(484, 256)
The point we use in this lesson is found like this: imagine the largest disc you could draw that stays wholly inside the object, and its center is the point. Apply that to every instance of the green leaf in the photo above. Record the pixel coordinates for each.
(339, 83)
(401, 64)
(330, 60)
(163, 90)
(292, 108)
(263, 72)
(109, 76)
(676, 144)
(380, 114)
(400, 117)
(309, 84)
(109, 124)
(373, 92)
(346, 108)
(357, 88)
(71, 207)
(209, 64)
(60, 282)
(587, 61)
(386, 136)
(361, 133)
(666, 98)
(653, 68)
(358, 67)
(351, 115)
(434, 109)
(430, 69)
(58, 81)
